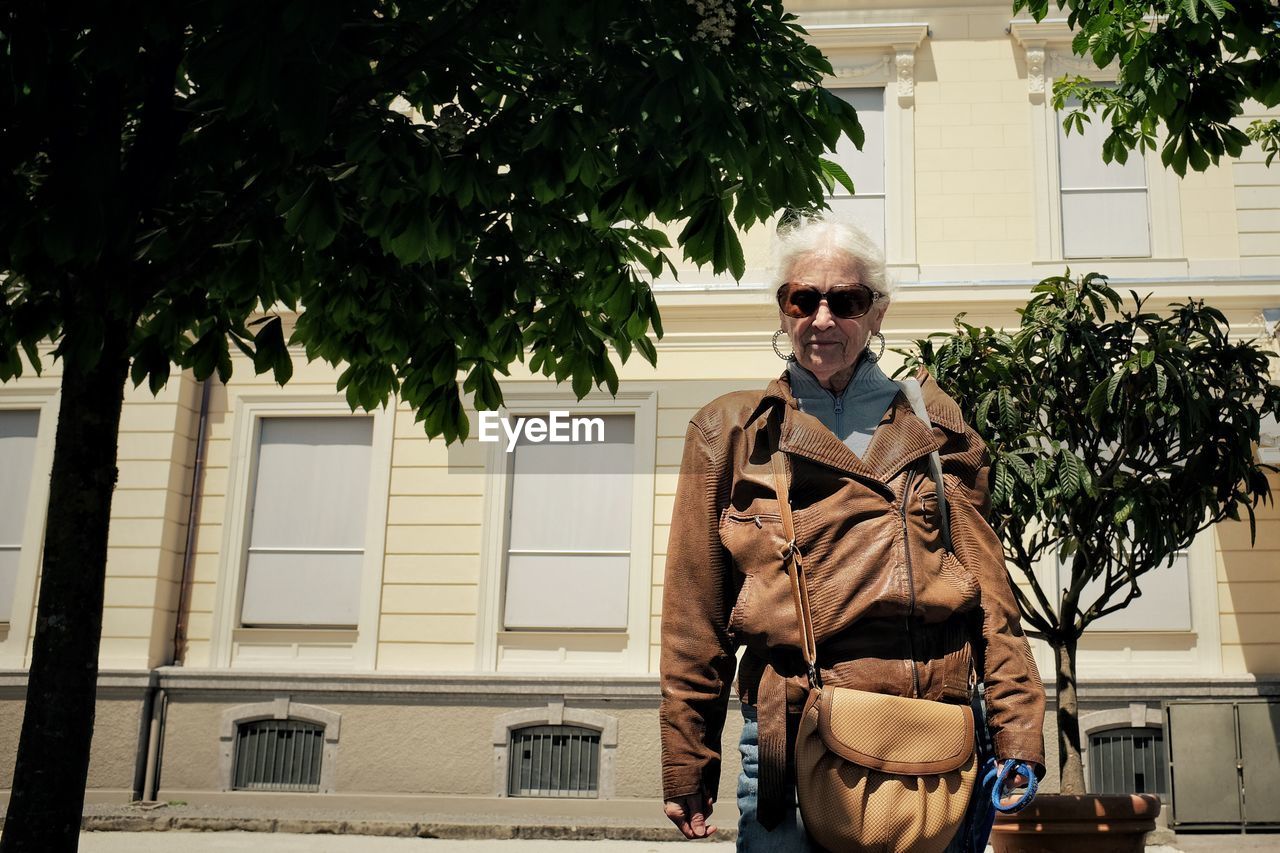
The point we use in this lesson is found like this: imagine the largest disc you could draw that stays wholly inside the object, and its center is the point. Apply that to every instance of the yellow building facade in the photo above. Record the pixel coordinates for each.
(424, 610)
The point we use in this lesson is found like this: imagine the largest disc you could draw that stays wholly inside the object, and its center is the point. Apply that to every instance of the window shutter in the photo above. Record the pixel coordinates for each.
(17, 450)
(307, 534)
(278, 755)
(1104, 205)
(1165, 603)
(554, 761)
(1128, 761)
(866, 208)
(569, 534)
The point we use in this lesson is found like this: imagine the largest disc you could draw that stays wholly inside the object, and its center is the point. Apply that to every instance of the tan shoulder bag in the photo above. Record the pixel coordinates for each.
(874, 772)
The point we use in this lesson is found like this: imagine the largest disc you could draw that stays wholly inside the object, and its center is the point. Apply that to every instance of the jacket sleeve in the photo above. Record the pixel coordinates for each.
(1014, 693)
(697, 661)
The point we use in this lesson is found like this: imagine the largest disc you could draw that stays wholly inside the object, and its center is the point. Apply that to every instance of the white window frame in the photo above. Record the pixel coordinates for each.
(614, 652)
(883, 55)
(297, 647)
(1047, 47)
(15, 633)
(1136, 653)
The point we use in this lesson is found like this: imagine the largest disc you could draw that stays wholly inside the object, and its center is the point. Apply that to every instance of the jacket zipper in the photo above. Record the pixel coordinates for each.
(911, 587)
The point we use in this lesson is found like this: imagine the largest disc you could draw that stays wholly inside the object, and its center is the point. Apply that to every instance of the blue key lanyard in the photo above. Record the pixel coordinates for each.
(997, 778)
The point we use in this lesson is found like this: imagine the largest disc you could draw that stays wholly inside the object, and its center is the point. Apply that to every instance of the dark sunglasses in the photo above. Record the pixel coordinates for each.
(845, 301)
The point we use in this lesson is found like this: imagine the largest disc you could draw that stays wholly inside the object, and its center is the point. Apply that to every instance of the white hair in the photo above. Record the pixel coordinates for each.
(823, 232)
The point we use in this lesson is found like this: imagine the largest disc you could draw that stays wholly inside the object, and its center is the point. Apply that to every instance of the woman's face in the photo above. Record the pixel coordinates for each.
(824, 344)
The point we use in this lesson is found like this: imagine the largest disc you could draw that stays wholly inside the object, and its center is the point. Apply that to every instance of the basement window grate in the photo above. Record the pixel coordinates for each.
(278, 755)
(554, 761)
(1128, 761)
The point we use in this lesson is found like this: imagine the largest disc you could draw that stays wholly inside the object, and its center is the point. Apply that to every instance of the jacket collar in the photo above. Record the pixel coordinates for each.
(900, 438)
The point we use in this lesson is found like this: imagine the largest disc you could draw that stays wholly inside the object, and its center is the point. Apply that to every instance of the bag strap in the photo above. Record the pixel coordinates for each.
(795, 571)
(911, 388)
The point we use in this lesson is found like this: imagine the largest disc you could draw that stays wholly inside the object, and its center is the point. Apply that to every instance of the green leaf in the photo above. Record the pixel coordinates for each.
(646, 348)
(268, 344)
(315, 216)
(737, 261)
(1127, 504)
(1021, 468)
(581, 379)
(1003, 484)
(837, 172)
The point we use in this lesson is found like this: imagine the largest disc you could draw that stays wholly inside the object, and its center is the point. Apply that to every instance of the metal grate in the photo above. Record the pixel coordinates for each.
(1128, 761)
(278, 755)
(554, 761)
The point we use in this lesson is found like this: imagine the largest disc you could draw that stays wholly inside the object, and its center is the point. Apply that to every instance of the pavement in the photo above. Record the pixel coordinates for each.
(235, 842)
(283, 827)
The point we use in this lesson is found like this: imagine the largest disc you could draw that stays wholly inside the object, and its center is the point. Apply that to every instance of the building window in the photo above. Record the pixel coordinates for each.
(280, 745)
(866, 206)
(1085, 208)
(874, 68)
(568, 538)
(306, 539)
(1128, 761)
(1104, 206)
(278, 755)
(1164, 606)
(554, 751)
(554, 761)
(18, 429)
(568, 555)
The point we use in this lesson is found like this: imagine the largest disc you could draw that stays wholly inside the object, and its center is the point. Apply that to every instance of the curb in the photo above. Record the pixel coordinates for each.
(387, 829)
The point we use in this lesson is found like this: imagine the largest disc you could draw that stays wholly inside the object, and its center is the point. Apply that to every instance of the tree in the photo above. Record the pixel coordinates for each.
(434, 186)
(1187, 64)
(1114, 441)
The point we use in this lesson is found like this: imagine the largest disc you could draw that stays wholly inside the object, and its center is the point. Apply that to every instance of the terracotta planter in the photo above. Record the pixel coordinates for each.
(1054, 823)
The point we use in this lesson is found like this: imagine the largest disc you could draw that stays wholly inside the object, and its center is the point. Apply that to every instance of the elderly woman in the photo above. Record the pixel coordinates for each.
(895, 611)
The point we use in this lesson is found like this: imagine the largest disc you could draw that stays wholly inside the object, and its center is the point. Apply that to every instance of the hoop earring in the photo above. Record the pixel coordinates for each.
(875, 356)
(785, 356)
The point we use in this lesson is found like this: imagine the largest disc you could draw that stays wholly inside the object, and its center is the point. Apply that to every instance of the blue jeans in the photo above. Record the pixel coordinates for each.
(789, 835)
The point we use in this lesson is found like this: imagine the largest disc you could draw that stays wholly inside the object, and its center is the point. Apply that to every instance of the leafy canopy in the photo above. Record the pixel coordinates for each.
(434, 186)
(1187, 64)
(1115, 435)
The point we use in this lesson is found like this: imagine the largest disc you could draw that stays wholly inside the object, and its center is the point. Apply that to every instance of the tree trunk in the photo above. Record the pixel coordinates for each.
(1070, 766)
(57, 727)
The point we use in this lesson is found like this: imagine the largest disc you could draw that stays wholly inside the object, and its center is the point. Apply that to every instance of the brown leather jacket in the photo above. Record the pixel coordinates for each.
(894, 611)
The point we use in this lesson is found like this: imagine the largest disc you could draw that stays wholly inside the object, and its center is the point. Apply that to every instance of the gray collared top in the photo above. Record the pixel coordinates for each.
(855, 413)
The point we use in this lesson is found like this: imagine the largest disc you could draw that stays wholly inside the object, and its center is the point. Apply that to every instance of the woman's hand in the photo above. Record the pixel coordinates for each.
(1012, 792)
(690, 813)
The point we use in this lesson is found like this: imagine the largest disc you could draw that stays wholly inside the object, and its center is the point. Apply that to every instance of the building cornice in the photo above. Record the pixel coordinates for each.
(177, 680)
(897, 42)
(868, 36)
(1050, 31)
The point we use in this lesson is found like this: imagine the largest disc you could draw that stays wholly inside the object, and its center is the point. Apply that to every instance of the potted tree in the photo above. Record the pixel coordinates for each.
(1116, 435)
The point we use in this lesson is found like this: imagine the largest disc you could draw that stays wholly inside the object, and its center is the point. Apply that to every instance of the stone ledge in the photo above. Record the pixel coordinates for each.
(384, 828)
(179, 679)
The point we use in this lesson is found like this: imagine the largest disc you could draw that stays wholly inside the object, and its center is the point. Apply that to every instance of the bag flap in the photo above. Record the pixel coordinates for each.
(895, 734)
